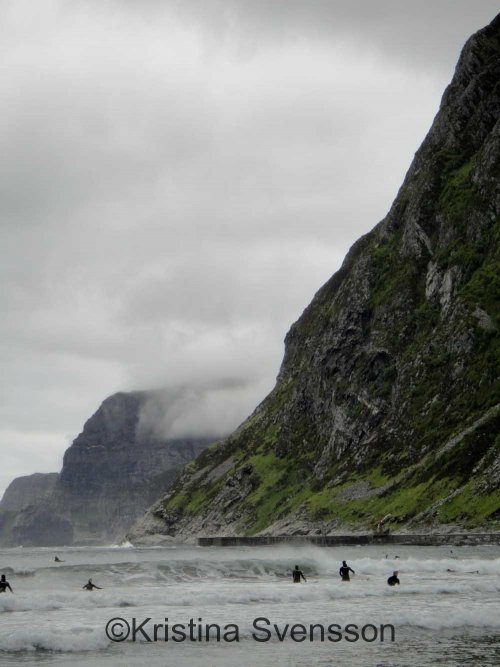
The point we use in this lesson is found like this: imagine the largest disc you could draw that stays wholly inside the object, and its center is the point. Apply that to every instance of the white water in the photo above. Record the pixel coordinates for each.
(440, 617)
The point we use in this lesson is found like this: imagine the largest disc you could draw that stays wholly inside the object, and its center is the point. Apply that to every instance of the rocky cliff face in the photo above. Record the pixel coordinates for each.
(26, 490)
(111, 473)
(387, 400)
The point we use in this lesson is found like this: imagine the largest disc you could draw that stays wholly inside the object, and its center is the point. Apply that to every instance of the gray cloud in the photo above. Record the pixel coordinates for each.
(198, 411)
(177, 181)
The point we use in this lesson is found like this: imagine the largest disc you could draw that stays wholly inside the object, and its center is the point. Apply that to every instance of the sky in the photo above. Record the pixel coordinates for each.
(177, 180)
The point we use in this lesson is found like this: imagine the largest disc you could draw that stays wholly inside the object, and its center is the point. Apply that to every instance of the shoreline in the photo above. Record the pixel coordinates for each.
(425, 539)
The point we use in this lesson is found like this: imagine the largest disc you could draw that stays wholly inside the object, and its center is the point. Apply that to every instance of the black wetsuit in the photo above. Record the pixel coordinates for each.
(90, 586)
(297, 574)
(344, 572)
(4, 585)
(393, 581)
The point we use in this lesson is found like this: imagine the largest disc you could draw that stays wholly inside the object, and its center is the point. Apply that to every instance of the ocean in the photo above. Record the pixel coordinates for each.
(238, 607)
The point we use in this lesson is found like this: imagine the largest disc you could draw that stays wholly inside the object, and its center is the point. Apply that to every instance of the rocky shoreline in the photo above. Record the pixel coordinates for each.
(413, 539)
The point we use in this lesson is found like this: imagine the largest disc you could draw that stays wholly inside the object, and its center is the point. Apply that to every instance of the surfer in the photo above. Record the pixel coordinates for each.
(393, 581)
(58, 560)
(344, 571)
(297, 574)
(4, 585)
(90, 586)
(469, 572)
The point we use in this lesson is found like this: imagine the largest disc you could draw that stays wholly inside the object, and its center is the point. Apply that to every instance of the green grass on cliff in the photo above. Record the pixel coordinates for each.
(470, 508)
(457, 195)
(278, 489)
(193, 501)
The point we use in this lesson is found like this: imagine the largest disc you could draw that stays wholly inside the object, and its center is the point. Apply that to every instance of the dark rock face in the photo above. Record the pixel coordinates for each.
(26, 490)
(111, 473)
(41, 527)
(387, 400)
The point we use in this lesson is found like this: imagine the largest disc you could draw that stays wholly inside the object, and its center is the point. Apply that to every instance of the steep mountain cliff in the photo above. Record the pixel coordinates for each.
(111, 473)
(26, 490)
(21, 493)
(387, 400)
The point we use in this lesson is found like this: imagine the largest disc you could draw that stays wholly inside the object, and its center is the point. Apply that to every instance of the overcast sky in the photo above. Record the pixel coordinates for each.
(177, 180)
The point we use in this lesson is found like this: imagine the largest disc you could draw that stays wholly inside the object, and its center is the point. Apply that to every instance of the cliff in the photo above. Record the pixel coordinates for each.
(387, 400)
(26, 490)
(111, 473)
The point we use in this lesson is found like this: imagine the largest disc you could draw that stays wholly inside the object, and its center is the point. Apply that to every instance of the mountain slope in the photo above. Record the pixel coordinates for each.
(387, 400)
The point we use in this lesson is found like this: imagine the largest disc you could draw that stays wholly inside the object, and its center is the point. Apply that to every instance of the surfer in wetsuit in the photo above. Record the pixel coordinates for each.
(297, 574)
(90, 586)
(58, 560)
(4, 585)
(393, 581)
(344, 571)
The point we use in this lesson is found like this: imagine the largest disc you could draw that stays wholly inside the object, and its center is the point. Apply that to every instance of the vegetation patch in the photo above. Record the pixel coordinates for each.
(276, 485)
(470, 508)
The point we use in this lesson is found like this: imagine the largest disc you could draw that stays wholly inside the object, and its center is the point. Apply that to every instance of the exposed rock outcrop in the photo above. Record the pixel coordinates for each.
(26, 490)
(41, 525)
(390, 376)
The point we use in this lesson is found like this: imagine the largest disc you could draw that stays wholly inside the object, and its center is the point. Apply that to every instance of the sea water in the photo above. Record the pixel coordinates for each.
(438, 617)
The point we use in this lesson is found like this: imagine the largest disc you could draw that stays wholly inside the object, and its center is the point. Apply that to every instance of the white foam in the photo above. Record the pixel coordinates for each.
(123, 545)
(73, 640)
(447, 616)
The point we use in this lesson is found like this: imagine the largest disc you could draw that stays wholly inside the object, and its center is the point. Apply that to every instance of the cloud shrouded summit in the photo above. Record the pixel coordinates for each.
(178, 179)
